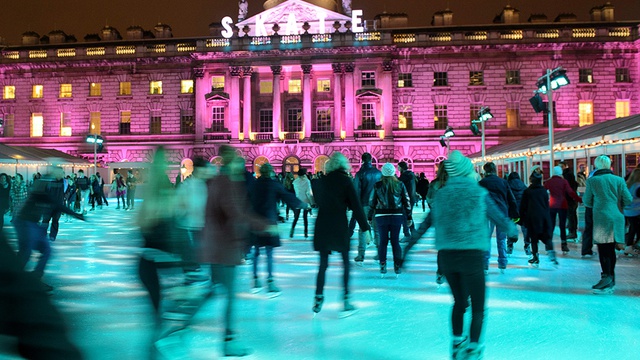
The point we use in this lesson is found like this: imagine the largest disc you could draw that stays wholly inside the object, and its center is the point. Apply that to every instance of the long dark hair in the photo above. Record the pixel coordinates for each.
(391, 183)
(441, 176)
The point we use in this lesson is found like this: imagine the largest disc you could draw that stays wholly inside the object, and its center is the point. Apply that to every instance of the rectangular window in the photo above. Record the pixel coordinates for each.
(473, 111)
(440, 117)
(125, 88)
(512, 77)
(476, 78)
(125, 122)
(513, 115)
(266, 86)
(186, 87)
(405, 80)
(8, 125)
(217, 83)
(155, 87)
(95, 89)
(545, 114)
(9, 92)
(623, 75)
(622, 108)
(266, 121)
(294, 120)
(585, 76)
(37, 91)
(65, 124)
(368, 112)
(37, 125)
(368, 79)
(323, 119)
(324, 85)
(217, 124)
(295, 86)
(187, 122)
(585, 112)
(94, 122)
(65, 91)
(405, 117)
(440, 79)
(155, 124)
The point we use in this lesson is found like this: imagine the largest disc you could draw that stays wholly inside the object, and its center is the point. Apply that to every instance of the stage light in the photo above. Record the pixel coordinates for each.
(443, 142)
(558, 78)
(449, 132)
(537, 103)
(474, 129)
(485, 114)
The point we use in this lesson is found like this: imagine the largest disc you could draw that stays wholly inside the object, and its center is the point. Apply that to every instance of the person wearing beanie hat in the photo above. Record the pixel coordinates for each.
(534, 216)
(390, 205)
(501, 193)
(461, 211)
(559, 189)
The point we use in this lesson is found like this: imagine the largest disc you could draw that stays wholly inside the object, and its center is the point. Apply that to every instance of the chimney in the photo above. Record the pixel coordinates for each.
(509, 15)
(134, 32)
(607, 12)
(442, 18)
(538, 18)
(57, 37)
(566, 18)
(109, 33)
(30, 38)
(596, 13)
(391, 21)
(92, 38)
(162, 31)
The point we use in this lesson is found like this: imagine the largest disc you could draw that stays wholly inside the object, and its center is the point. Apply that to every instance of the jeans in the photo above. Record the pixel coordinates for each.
(527, 242)
(305, 215)
(226, 275)
(32, 236)
(562, 214)
(406, 230)
(634, 230)
(362, 240)
(55, 223)
(324, 264)
(587, 234)
(269, 251)
(389, 229)
(572, 218)
(84, 197)
(534, 238)
(501, 242)
(464, 272)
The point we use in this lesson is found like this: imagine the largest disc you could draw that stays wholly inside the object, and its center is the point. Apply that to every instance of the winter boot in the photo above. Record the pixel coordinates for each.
(605, 286)
(459, 347)
(317, 303)
(552, 258)
(565, 248)
(534, 261)
(234, 348)
(349, 309)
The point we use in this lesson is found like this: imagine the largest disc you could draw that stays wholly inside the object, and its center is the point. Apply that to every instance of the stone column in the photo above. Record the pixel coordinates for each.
(202, 88)
(387, 98)
(307, 93)
(349, 100)
(247, 71)
(338, 126)
(277, 101)
(234, 101)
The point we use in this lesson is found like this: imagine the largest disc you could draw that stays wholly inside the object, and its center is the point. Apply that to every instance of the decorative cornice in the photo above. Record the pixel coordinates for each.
(235, 70)
(349, 67)
(276, 69)
(306, 68)
(337, 68)
(387, 65)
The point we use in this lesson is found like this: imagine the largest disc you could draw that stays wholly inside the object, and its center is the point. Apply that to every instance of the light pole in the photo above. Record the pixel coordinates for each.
(552, 80)
(444, 139)
(97, 141)
(484, 114)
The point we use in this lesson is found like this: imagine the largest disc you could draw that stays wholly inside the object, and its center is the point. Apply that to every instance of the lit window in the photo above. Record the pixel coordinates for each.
(65, 90)
(585, 76)
(265, 124)
(37, 91)
(324, 85)
(585, 112)
(65, 124)
(125, 88)
(155, 87)
(294, 120)
(623, 75)
(440, 117)
(155, 124)
(368, 116)
(8, 125)
(186, 87)
(37, 125)
(94, 122)
(266, 87)
(476, 78)
(622, 108)
(513, 115)
(440, 79)
(512, 77)
(405, 117)
(125, 122)
(405, 80)
(323, 119)
(217, 123)
(295, 86)
(187, 122)
(368, 79)
(95, 89)
(217, 83)
(9, 92)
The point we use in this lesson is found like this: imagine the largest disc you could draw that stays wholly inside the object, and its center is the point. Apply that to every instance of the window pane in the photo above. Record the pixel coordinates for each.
(622, 108)
(95, 89)
(476, 78)
(266, 121)
(473, 111)
(405, 117)
(440, 79)
(9, 92)
(440, 117)
(8, 125)
(65, 124)
(217, 124)
(323, 120)
(294, 120)
(94, 122)
(368, 117)
(155, 87)
(368, 79)
(405, 80)
(513, 116)
(623, 75)
(585, 76)
(65, 90)
(186, 87)
(585, 111)
(187, 122)
(38, 91)
(217, 83)
(324, 85)
(295, 86)
(125, 88)
(37, 125)
(266, 87)
(155, 124)
(125, 122)
(513, 77)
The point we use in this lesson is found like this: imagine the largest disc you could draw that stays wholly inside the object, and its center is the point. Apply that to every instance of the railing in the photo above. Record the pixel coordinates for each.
(322, 136)
(262, 138)
(366, 134)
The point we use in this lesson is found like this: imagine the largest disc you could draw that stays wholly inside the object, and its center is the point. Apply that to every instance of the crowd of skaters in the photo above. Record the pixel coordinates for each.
(209, 236)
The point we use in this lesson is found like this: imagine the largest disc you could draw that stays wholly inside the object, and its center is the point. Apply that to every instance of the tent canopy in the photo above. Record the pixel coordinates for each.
(34, 155)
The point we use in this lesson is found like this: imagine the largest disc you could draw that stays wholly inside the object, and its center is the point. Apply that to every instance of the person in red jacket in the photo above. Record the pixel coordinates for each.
(559, 189)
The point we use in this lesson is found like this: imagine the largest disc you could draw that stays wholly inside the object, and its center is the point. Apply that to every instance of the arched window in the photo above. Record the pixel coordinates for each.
(320, 163)
(259, 161)
(291, 164)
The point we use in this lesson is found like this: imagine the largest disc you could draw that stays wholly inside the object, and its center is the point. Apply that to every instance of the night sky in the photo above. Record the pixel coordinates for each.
(192, 17)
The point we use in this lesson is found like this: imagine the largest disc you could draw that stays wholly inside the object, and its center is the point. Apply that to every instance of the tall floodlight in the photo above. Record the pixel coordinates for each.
(97, 142)
(484, 115)
(552, 80)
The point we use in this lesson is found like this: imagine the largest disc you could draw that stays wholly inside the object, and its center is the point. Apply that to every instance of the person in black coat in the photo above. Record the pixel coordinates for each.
(534, 215)
(264, 197)
(5, 198)
(408, 178)
(335, 194)
(422, 188)
(517, 188)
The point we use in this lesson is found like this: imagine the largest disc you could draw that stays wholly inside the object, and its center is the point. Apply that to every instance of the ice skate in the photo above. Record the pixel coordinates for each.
(348, 310)
(397, 268)
(565, 249)
(459, 348)
(474, 353)
(272, 290)
(534, 261)
(234, 348)
(604, 286)
(317, 304)
(439, 279)
(553, 259)
(257, 286)
(359, 260)
(383, 269)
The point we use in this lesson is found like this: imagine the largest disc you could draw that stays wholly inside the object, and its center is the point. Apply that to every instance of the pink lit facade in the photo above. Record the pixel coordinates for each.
(292, 100)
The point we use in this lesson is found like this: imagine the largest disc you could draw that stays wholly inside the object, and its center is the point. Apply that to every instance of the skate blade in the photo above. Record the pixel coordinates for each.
(359, 263)
(603, 291)
(272, 295)
(255, 291)
(345, 314)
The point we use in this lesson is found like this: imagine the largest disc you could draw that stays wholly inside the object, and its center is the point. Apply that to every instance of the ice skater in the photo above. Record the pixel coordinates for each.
(534, 216)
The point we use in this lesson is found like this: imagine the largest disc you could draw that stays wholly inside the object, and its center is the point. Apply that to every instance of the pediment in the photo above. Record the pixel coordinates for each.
(368, 92)
(217, 96)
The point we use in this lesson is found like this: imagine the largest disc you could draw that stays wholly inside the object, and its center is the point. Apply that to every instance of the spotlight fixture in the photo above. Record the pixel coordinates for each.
(485, 114)
(449, 132)
(537, 103)
(474, 129)
(443, 142)
(558, 79)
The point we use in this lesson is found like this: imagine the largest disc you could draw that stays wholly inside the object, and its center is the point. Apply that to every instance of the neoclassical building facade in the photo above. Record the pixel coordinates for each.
(301, 80)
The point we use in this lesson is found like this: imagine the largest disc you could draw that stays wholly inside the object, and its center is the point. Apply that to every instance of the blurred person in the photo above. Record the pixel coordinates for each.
(70, 196)
(422, 188)
(288, 185)
(5, 197)
(632, 213)
(408, 178)
(391, 206)
(572, 209)
(120, 189)
(437, 183)
(501, 193)
(535, 218)
(302, 188)
(84, 189)
(264, 199)
(18, 195)
(604, 194)
(229, 221)
(517, 188)
(336, 194)
(102, 195)
(364, 182)
(132, 184)
(462, 239)
(581, 179)
(95, 193)
(559, 190)
(55, 187)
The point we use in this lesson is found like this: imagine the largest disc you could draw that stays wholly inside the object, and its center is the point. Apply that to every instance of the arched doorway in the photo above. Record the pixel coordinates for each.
(291, 164)
(320, 163)
(259, 161)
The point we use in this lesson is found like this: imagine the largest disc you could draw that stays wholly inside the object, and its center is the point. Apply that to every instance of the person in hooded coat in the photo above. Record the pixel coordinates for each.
(535, 217)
